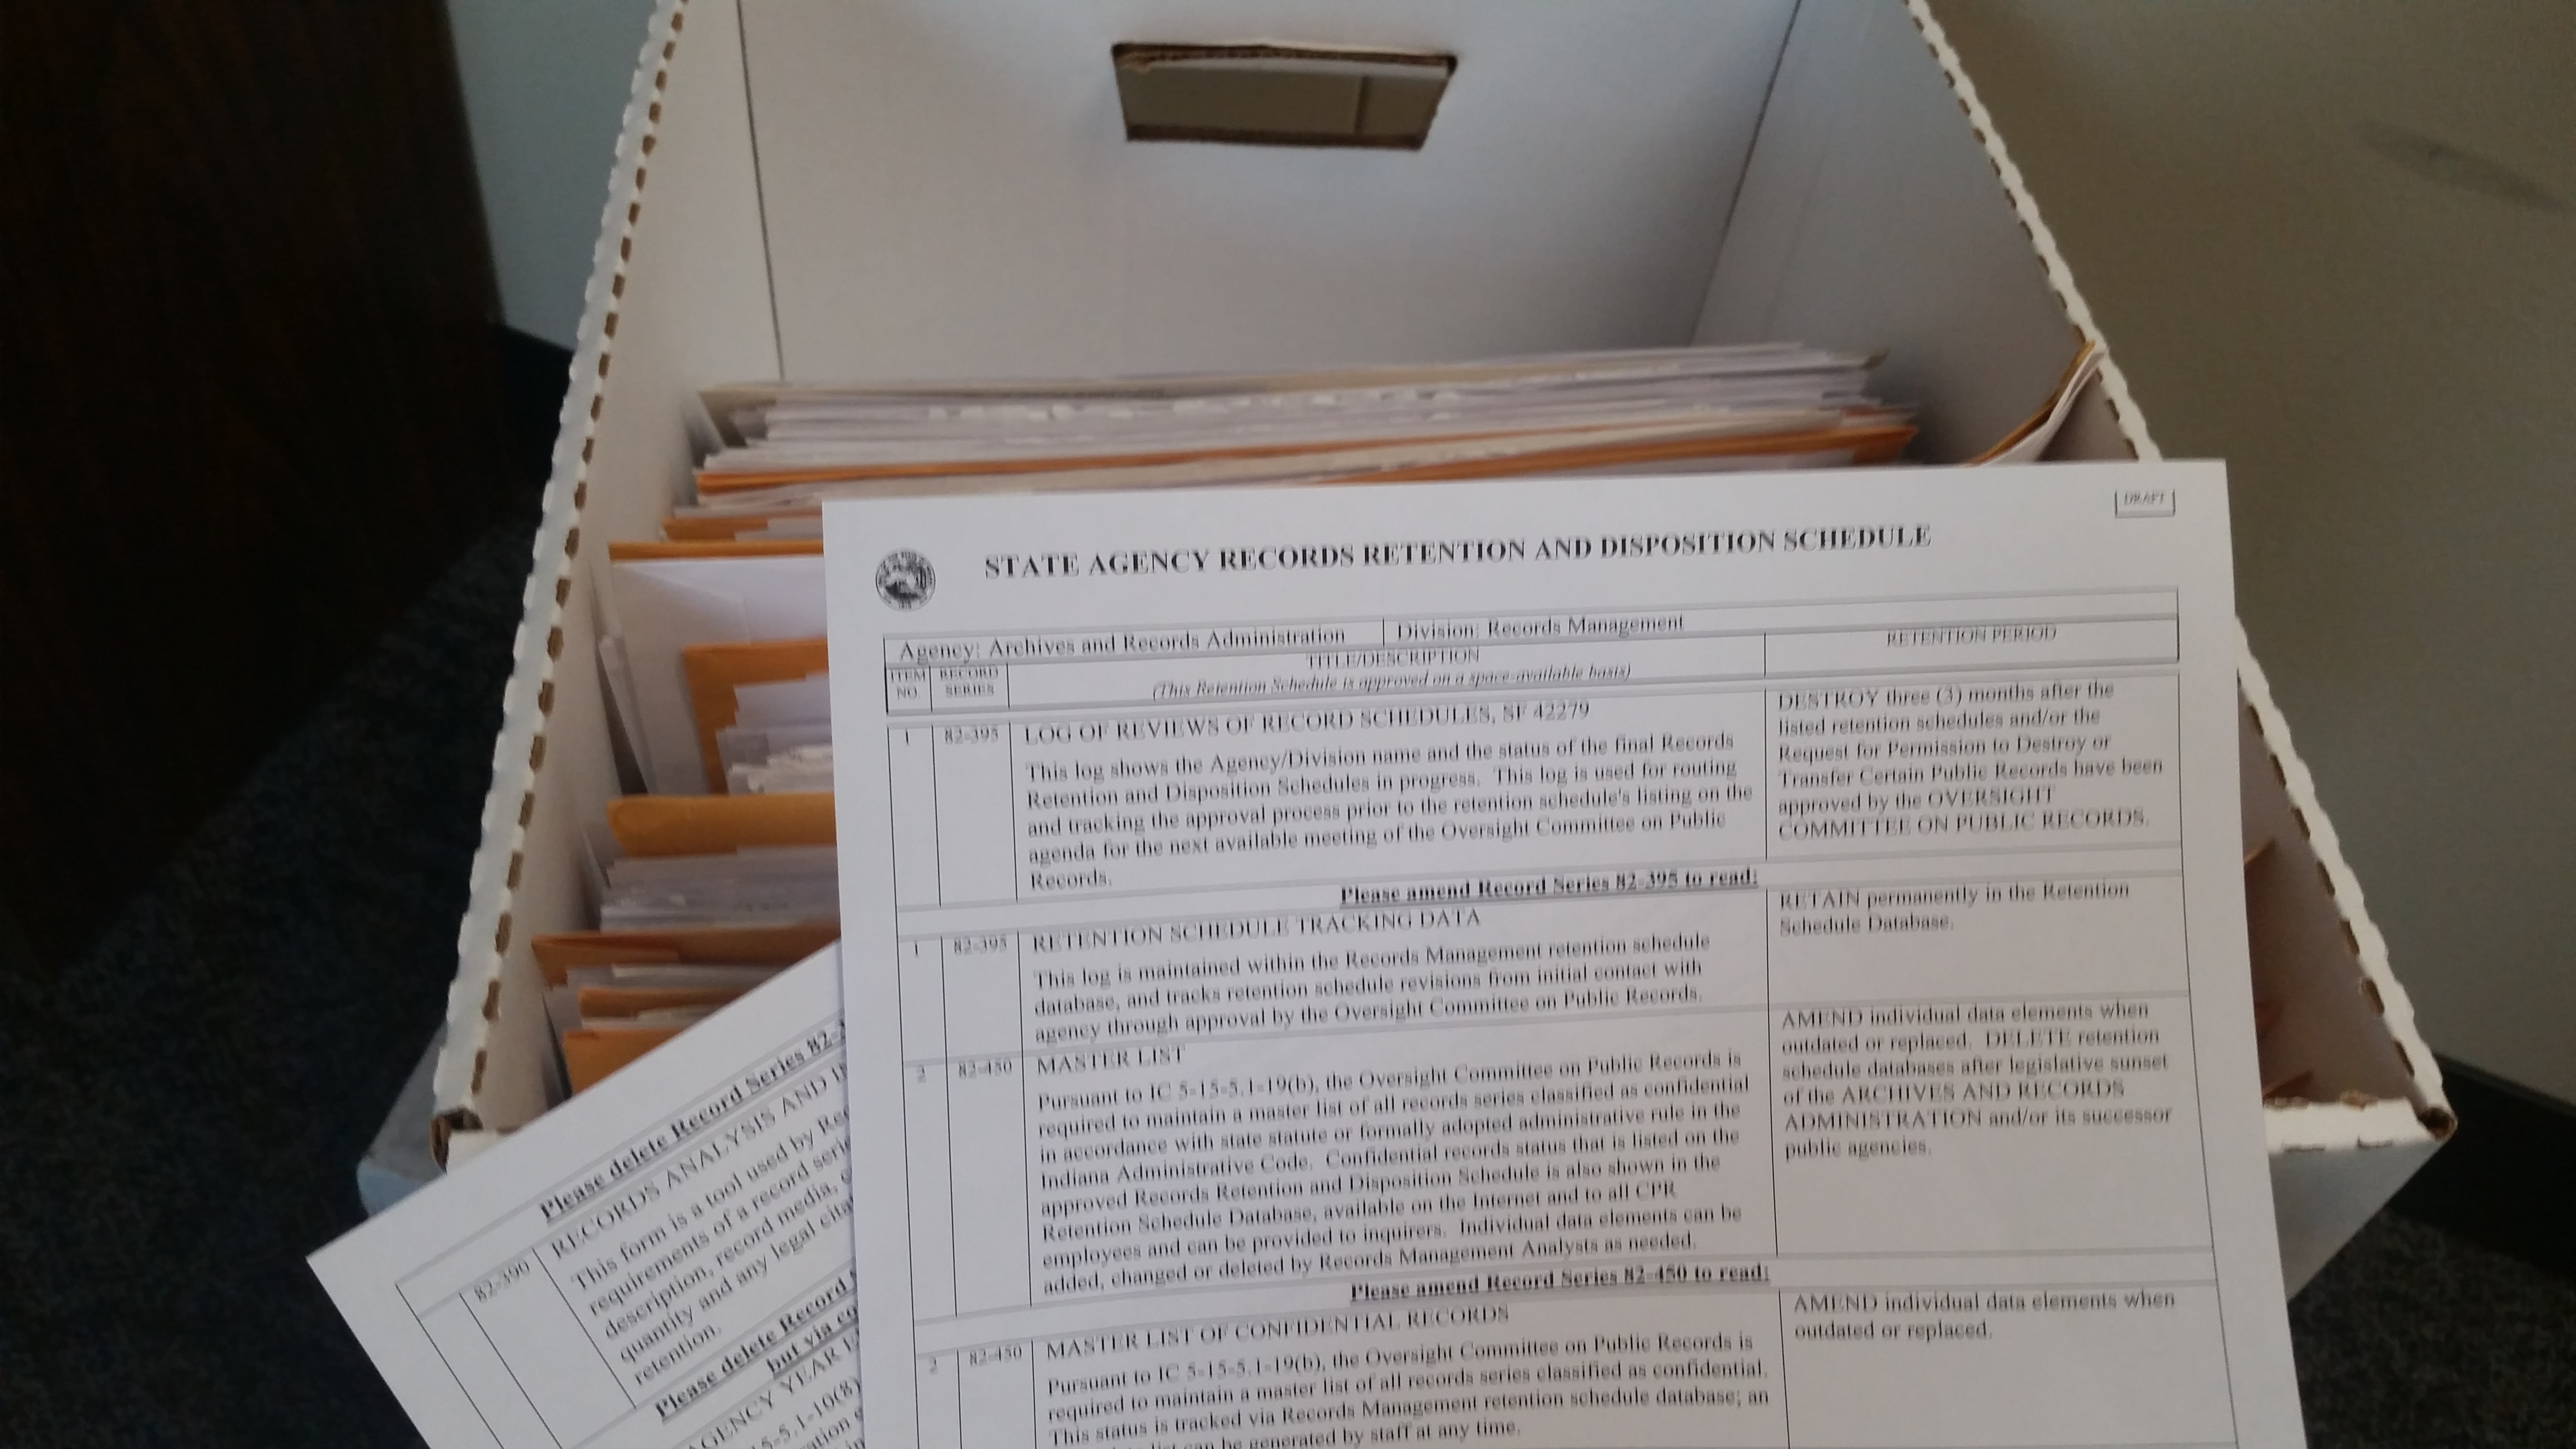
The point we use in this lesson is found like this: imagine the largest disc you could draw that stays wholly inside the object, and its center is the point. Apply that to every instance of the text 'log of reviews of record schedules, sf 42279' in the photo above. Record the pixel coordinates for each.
(1702, 961)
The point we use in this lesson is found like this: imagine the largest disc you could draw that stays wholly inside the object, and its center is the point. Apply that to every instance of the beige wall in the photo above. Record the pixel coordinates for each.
(2334, 242)
(545, 92)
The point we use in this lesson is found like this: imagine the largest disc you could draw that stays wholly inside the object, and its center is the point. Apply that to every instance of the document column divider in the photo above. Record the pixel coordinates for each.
(1023, 1070)
(1780, 1317)
(939, 873)
(512, 1370)
(595, 1349)
(1771, 1045)
(948, 1106)
(1770, 1036)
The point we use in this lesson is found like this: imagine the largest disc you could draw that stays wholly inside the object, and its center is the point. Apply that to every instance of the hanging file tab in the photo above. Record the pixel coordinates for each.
(1280, 95)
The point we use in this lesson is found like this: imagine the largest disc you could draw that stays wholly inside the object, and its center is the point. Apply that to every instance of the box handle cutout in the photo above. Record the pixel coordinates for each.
(1280, 95)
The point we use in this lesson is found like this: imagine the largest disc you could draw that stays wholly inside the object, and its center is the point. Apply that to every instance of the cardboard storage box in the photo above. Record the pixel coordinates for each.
(853, 190)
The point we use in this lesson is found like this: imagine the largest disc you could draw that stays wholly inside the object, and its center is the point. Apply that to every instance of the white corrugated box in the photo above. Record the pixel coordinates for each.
(855, 190)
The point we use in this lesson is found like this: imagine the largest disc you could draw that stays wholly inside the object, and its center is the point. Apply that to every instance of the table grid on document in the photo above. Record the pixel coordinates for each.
(512, 1307)
(965, 997)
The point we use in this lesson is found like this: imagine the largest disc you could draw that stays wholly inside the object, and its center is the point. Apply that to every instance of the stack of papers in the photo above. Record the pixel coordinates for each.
(1546, 965)
(716, 657)
(701, 899)
(613, 995)
(1697, 410)
(718, 667)
(717, 647)
(686, 860)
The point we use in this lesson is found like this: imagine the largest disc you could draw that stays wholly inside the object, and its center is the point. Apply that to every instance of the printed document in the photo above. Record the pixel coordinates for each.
(663, 1262)
(1698, 961)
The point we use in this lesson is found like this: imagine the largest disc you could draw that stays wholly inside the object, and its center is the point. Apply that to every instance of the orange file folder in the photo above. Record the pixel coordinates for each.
(715, 671)
(660, 825)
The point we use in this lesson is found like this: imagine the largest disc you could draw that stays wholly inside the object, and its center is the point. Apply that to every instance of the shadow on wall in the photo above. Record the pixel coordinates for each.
(2334, 242)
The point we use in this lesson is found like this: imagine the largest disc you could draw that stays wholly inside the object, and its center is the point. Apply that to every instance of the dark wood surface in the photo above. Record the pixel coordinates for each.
(247, 403)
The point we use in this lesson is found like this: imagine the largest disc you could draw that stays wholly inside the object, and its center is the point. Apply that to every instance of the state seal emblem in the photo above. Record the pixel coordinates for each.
(905, 580)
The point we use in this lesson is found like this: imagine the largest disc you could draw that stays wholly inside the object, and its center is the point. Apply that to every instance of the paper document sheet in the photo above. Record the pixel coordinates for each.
(663, 1262)
(1755, 960)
